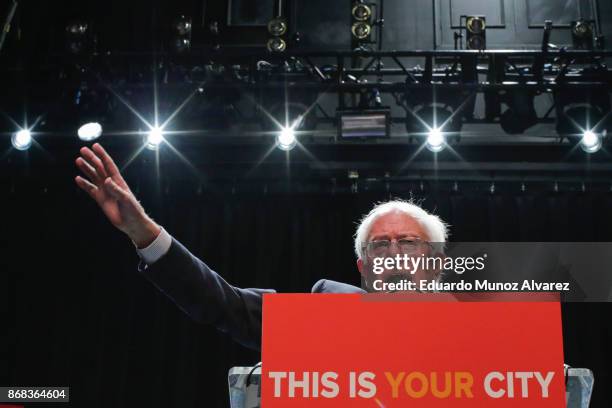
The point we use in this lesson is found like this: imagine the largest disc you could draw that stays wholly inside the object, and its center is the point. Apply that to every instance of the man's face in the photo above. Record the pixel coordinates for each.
(392, 227)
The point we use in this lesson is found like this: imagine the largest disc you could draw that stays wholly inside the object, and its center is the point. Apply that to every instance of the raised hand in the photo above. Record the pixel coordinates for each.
(109, 190)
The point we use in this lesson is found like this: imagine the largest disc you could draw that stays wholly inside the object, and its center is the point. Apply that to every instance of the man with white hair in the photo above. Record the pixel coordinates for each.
(389, 229)
(397, 227)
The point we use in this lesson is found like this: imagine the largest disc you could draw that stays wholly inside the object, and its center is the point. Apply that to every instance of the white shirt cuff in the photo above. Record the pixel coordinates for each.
(158, 248)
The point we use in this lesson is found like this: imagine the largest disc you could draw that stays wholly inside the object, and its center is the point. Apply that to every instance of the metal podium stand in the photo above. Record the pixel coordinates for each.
(245, 386)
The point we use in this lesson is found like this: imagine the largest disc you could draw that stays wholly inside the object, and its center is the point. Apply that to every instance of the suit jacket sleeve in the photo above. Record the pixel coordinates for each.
(206, 297)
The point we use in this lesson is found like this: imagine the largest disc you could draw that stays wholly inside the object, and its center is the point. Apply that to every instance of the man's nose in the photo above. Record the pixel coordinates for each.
(393, 248)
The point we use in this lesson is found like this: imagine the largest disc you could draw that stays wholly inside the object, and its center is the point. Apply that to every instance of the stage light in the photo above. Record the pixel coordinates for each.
(361, 30)
(435, 140)
(573, 121)
(580, 110)
(443, 118)
(276, 45)
(154, 138)
(90, 131)
(591, 141)
(182, 45)
(476, 28)
(183, 26)
(77, 28)
(181, 34)
(362, 18)
(277, 27)
(286, 140)
(22, 140)
(361, 12)
(476, 25)
(582, 34)
(79, 37)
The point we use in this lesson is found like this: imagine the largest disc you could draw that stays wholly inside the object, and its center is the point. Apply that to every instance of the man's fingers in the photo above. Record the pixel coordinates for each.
(109, 163)
(85, 185)
(89, 171)
(94, 161)
(115, 191)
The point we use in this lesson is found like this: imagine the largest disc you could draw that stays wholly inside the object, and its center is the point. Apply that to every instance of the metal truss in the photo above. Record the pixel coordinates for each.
(393, 71)
(346, 73)
(357, 78)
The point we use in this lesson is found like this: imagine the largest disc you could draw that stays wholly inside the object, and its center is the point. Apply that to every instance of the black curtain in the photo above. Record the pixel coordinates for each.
(79, 314)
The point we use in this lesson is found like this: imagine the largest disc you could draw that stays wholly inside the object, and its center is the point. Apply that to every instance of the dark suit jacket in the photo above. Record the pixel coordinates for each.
(207, 298)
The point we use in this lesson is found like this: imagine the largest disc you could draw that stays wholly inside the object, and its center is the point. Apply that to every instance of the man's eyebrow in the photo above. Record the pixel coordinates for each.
(379, 237)
(410, 235)
(398, 236)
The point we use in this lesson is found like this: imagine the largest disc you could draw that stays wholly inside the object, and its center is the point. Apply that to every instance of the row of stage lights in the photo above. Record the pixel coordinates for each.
(590, 141)
(286, 138)
(22, 140)
(363, 20)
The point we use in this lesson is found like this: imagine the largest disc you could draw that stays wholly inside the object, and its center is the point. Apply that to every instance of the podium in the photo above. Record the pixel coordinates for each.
(245, 387)
(578, 387)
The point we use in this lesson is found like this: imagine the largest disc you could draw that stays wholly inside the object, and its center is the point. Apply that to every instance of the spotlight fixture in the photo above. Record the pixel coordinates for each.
(583, 34)
(581, 110)
(22, 140)
(362, 19)
(77, 28)
(276, 44)
(476, 30)
(277, 28)
(180, 38)
(286, 139)
(183, 26)
(182, 45)
(79, 38)
(591, 142)
(573, 121)
(435, 140)
(92, 106)
(290, 115)
(155, 137)
(361, 30)
(361, 12)
(90, 131)
(435, 117)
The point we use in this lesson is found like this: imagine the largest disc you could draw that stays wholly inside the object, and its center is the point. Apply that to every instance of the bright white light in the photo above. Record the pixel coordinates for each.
(591, 142)
(154, 138)
(435, 140)
(286, 140)
(90, 131)
(22, 140)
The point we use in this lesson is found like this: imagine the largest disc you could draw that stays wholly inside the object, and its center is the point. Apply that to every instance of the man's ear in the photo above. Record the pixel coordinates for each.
(360, 266)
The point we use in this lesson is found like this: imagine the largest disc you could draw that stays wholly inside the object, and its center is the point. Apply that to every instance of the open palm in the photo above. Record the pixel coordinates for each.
(109, 190)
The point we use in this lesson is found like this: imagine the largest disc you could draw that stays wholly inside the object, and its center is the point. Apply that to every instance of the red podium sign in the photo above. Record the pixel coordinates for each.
(328, 350)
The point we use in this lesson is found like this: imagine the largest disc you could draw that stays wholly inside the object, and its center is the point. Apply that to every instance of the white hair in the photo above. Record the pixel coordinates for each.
(436, 229)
